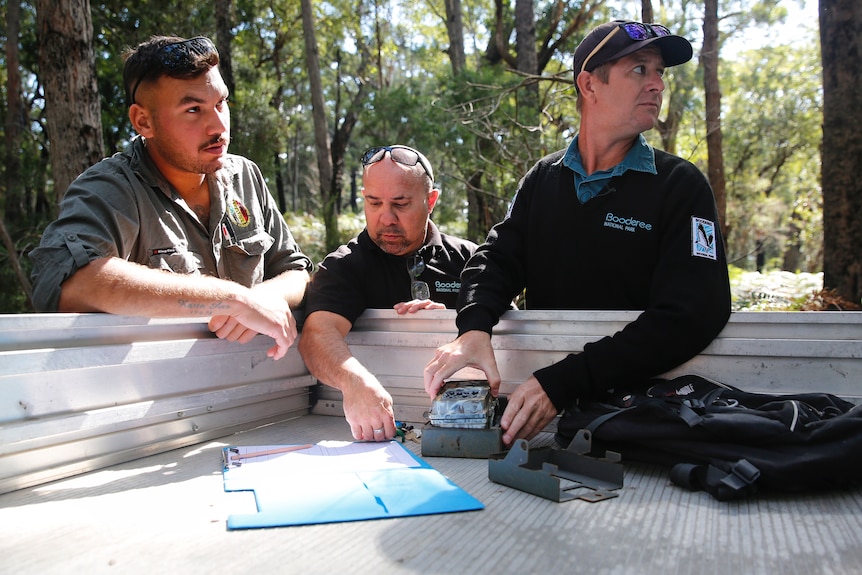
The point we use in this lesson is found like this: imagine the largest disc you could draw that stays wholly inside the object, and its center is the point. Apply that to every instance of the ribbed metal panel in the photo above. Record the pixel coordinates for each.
(166, 514)
(82, 391)
(778, 352)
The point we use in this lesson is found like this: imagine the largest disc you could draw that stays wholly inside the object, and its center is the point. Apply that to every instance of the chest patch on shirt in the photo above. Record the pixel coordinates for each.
(238, 213)
(703, 238)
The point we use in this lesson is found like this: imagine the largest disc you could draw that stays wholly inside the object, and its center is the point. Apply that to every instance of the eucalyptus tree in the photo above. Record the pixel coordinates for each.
(840, 22)
(504, 106)
(722, 19)
(347, 94)
(13, 206)
(772, 121)
(67, 67)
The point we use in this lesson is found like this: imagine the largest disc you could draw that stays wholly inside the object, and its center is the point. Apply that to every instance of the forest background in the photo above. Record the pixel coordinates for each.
(482, 87)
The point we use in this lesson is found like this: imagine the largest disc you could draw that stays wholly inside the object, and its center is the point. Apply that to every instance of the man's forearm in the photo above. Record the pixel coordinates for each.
(117, 286)
(327, 355)
(290, 284)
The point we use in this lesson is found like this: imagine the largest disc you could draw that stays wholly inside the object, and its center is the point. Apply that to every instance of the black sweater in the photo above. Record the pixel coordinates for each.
(646, 243)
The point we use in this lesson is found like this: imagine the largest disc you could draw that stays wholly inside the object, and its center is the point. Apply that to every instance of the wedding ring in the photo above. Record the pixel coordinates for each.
(377, 430)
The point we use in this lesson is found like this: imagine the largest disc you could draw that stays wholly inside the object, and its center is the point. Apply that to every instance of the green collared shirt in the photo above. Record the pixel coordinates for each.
(122, 207)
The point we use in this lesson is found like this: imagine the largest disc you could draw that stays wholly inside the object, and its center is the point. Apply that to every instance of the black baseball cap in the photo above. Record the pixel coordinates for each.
(619, 38)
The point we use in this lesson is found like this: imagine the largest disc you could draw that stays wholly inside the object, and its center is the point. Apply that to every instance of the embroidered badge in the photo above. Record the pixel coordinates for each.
(237, 213)
(703, 238)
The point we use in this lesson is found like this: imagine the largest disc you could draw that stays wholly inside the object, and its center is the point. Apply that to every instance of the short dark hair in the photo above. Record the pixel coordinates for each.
(150, 60)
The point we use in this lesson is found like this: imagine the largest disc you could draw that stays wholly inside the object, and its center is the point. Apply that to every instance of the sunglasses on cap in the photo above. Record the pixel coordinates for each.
(177, 56)
(635, 31)
(401, 154)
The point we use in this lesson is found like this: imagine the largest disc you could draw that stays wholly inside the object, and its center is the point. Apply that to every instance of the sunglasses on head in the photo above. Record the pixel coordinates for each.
(415, 267)
(401, 154)
(639, 31)
(634, 30)
(177, 56)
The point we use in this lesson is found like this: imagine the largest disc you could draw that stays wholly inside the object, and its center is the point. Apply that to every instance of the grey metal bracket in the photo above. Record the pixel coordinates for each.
(559, 474)
(454, 442)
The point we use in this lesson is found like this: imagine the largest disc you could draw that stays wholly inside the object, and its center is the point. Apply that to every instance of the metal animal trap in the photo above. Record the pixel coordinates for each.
(464, 421)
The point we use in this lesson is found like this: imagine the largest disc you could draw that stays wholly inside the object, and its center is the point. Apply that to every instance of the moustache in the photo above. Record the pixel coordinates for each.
(218, 140)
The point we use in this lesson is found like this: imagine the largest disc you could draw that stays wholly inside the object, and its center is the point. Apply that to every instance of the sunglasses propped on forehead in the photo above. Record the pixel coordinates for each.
(401, 154)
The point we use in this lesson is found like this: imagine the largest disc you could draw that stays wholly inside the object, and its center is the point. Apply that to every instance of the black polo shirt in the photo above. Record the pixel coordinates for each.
(359, 275)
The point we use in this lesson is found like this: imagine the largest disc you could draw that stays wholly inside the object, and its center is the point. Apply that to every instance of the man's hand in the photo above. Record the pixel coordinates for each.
(528, 411)
(237, 313)
(415, 305)
(367, 405)
(265, 312)
(368, 410)
(471, 349)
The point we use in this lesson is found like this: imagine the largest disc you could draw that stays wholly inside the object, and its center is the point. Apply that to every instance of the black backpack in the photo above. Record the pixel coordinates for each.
(726, 441)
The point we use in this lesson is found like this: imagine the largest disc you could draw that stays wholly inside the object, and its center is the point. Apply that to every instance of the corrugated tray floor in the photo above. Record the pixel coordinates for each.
(166, 514)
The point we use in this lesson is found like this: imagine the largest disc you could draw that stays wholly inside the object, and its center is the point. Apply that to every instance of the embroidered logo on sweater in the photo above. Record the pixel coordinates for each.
(703, 238)
(447, 287)
(626, 224)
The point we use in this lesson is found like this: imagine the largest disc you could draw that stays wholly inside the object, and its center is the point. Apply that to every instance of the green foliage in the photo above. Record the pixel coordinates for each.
(474, 127)
(310, 233)
(772, 133)
(12, 298)
(772, 291)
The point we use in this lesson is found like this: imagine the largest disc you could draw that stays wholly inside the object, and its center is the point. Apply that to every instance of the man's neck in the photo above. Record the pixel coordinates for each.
(188, 185)
(599, 153)
(192, 188)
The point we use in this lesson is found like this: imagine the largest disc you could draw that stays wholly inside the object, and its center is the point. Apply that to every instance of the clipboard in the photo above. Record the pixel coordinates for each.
(337, 481)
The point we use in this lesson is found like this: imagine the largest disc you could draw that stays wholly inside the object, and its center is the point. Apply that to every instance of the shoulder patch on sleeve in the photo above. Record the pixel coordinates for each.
(703, 238)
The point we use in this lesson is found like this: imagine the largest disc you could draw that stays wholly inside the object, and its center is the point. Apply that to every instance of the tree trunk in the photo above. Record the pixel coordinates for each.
(224, 40)
(646, 11)
(715, 155)
(321, 130)
(841, 156)
(280, 192)
(498, 43)
(455, 31)
(14, 200)
(668, 128)
(525, 39)
(527, 63)
(478, 219)
(67, 69)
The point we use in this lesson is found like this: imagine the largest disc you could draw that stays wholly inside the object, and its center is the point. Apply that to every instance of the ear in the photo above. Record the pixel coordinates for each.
(141, 120)
(432, 199)
(585, 84)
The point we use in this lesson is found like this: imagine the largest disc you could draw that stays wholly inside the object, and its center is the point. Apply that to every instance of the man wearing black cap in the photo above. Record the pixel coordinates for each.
(609, 223)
